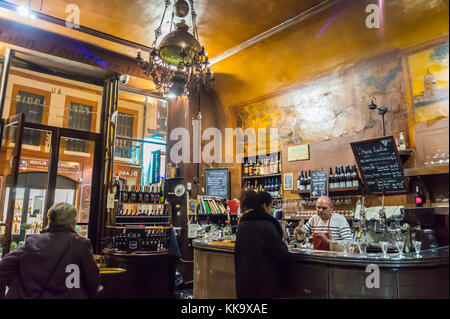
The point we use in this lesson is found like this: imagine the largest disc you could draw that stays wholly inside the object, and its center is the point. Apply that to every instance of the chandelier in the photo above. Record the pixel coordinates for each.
(179, 64)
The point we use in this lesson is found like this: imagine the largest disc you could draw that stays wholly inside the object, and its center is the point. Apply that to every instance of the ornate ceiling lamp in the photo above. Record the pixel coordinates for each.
(179, 64)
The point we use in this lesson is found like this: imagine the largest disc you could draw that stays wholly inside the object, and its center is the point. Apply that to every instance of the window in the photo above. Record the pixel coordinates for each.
(125, 128)
(80, 118)
(32, 105)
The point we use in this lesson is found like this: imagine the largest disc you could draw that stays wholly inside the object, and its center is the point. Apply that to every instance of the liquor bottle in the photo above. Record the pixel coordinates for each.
(279, 164)
(250, 169)
(140, 195)
(257, 168)
(331, 178)
(116, 187)
(246, 168)
(132, 194)
(401, 142)
(355, 181)
(261, 167)
(308, 181)
(161, 192)
(420, 199)
(342, 177)
(156, 193)
(336, 177)
(299, 179)
(271, 165)
(125, 195)
(348, 177)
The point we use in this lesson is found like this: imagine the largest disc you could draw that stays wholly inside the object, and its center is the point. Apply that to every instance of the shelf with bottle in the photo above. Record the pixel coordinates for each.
(341, 181)
(271, 185)
(137, 194)
(266, 165)
(138, 240)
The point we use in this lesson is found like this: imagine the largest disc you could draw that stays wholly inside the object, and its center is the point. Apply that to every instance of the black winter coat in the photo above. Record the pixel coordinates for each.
(27, 269)
(260, 257)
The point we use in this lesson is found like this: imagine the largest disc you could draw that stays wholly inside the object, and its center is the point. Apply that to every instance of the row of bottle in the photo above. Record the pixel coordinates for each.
(140, 240)
(151, 194)
(343, 178)
(270, 185)
(260, 167)
(340, 179)
(159, 211)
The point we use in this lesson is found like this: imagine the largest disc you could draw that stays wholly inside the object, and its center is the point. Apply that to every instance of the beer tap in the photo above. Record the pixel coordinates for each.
(382, 217)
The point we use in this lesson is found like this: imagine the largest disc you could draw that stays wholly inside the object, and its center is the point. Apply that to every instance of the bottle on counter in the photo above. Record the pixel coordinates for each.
(250, 169)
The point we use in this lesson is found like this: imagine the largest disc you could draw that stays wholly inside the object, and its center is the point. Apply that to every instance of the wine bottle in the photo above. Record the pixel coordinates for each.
(355, 181)
(299, 181)
(250, 169)
(302, 182)
(124, 195)
(161, 193)
(331, 178)
(308, 182)
(116, 187)
(348, 177)
(420, 199)
(342, 177)
(246, 168)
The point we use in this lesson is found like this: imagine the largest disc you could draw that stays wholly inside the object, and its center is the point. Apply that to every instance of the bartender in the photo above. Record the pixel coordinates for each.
(325, 226)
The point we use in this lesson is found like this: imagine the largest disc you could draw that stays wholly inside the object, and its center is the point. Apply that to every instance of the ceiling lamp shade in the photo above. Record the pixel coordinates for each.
(179, 64)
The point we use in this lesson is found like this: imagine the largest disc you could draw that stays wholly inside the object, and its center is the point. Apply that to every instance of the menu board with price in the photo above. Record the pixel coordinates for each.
(319, 183)
(380, 166)
(217, 182)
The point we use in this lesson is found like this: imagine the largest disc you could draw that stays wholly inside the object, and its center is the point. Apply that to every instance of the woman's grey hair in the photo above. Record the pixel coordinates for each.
(62, 214)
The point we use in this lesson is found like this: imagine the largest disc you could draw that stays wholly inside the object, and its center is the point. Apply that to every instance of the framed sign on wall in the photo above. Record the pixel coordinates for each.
(298, 153)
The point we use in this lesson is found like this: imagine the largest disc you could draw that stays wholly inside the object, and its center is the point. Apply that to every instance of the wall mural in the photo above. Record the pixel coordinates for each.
(429, 81)
(335, 105)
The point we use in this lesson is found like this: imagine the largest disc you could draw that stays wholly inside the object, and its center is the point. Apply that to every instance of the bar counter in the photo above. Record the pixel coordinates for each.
(329, 275)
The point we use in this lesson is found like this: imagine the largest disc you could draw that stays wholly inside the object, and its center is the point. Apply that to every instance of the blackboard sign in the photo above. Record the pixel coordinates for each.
(380, 166)
(319, 183)
(288, 181)
(217, 182)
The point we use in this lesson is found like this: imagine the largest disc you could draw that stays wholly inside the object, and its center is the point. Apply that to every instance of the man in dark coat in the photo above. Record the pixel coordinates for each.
(261, 256)
(55, 264)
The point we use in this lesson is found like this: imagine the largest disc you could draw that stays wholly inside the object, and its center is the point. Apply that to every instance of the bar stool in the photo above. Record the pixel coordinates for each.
(113, 285)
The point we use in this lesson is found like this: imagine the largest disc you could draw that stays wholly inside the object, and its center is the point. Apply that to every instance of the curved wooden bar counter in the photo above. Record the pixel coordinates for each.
(320, 274)
(146, 276)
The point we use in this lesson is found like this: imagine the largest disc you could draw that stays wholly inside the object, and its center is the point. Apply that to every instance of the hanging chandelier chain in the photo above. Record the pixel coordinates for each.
(158, 31)
(194, 19)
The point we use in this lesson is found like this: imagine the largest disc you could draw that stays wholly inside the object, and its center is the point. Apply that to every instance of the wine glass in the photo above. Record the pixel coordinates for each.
(400, 245)
(362, 246)
(384, 248)
(417, 246)
(345, 246)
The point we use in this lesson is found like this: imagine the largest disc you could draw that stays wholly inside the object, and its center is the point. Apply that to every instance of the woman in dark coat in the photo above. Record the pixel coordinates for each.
(55, 264)
(260, 255)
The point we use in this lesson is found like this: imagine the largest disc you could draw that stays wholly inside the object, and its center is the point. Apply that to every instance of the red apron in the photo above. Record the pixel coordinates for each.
(318, 243)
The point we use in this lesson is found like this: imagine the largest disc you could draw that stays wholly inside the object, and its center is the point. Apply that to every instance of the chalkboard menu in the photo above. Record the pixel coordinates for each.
(217, 182)
(380, 166)
(319, 183)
